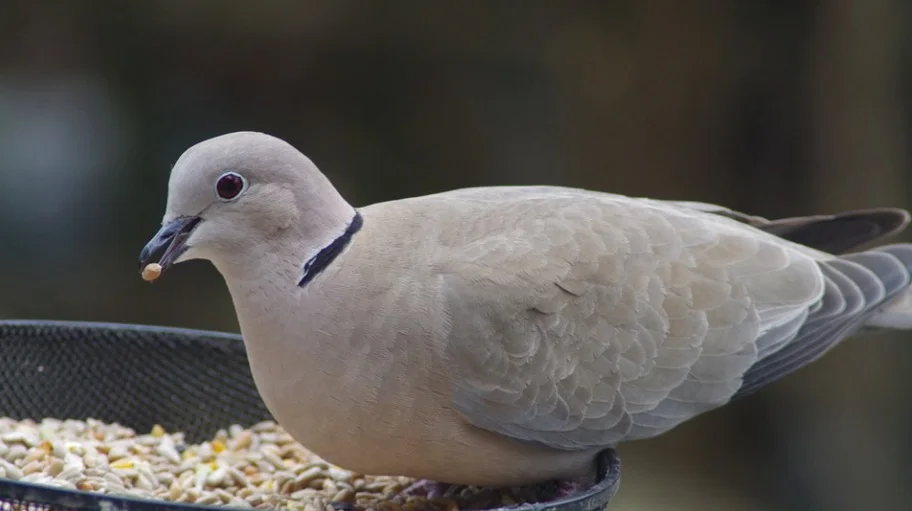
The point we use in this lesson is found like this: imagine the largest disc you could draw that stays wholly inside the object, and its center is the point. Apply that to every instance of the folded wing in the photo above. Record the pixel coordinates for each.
(589, 319)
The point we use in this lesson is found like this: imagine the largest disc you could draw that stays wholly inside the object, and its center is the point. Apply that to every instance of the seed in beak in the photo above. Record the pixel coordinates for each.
(151, 272)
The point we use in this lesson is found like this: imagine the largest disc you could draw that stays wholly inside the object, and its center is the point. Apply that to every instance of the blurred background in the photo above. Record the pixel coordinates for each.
(777, 108)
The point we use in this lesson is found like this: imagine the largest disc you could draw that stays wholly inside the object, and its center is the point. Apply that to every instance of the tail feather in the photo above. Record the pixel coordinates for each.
(841, 233)
(897, 312)
(859, 288)
(836, 234)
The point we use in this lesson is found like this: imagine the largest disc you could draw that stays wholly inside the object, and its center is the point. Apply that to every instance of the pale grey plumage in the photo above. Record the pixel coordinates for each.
(534, 324)
(617, 318)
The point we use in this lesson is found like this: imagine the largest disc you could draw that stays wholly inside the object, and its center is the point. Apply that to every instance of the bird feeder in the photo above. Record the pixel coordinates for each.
(153, 379)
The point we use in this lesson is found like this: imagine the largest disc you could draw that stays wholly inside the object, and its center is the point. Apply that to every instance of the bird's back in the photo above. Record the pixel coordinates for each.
(577, 319)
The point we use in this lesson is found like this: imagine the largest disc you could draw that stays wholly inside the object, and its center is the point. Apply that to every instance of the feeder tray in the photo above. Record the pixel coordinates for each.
(185, 380)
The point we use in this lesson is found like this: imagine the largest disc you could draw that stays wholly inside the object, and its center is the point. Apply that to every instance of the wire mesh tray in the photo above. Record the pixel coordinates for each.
(185, 380)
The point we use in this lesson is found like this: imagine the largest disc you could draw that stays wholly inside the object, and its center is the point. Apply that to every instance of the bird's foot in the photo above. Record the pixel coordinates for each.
(568, 489)
(509, 498)
(480, 498)
(551, 491)
(427, 489)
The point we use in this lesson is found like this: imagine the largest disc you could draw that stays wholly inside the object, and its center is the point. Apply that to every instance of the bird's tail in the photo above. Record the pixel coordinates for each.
(868, 290)
(843, 236)
(895, 313)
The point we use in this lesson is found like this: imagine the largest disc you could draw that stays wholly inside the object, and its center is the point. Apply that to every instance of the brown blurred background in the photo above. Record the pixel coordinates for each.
(776, 108)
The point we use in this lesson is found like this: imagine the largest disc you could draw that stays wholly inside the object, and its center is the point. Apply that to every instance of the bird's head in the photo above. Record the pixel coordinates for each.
(240, 190)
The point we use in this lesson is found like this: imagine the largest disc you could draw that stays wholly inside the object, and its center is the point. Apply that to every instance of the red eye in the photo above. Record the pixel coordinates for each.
(230, 185)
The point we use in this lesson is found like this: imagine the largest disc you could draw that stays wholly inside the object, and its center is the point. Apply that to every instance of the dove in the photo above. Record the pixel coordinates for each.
(504, 336)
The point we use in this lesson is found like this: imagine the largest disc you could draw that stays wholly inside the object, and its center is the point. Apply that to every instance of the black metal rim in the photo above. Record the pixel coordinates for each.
(596, 497)
(129, 327)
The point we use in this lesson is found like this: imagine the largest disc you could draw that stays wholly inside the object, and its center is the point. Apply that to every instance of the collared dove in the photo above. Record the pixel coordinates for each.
(505, 335)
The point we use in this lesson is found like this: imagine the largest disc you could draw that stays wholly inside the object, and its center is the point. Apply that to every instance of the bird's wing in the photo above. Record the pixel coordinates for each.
(837, 233)
(834, 234)
(583, 320)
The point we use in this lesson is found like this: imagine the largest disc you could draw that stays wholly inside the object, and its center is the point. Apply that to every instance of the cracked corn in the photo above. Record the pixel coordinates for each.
(261, 467)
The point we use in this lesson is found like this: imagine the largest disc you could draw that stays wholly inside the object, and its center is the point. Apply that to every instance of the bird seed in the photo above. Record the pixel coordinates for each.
(151, 272)
(258, 468)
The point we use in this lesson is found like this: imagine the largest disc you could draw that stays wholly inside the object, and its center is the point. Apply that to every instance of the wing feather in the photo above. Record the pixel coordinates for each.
(856, 285)
(834, 234)
(643, 316)
(586, 319)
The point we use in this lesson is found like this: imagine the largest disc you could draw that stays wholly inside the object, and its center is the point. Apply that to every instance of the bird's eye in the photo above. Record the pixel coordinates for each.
(230, 185)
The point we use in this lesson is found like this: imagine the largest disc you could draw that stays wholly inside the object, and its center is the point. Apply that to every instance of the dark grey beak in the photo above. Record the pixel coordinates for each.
(172, 238)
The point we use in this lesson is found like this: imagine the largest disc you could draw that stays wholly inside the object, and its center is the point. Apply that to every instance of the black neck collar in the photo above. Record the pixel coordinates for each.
(328, 254)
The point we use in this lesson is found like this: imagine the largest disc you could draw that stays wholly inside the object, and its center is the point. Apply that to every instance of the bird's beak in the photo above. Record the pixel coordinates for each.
(172, 237)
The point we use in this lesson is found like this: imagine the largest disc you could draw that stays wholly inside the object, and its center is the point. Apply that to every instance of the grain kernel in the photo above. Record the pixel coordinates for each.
(151, 272)
(261, 467)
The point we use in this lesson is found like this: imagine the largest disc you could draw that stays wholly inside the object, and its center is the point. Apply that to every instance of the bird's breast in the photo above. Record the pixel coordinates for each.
(358, 375)
(347, 381)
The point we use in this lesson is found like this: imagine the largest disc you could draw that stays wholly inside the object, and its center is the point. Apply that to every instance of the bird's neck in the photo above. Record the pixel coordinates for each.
(321, 258)
(268, 278)
(295, 254)
(273, 290)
